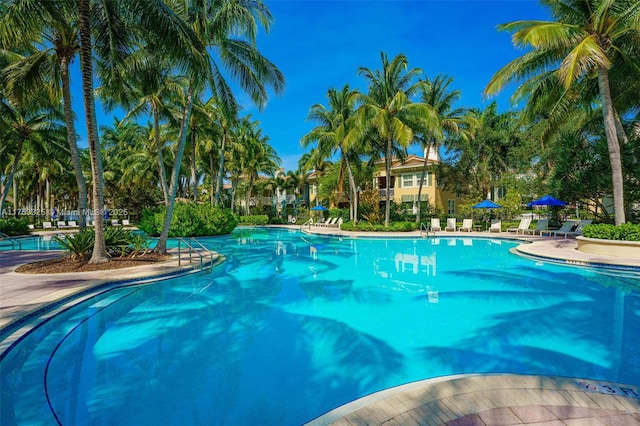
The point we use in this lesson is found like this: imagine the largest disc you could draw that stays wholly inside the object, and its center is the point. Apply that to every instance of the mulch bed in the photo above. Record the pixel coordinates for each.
(66, 264)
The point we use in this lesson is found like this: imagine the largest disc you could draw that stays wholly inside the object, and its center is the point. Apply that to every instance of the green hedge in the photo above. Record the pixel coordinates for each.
(190, 220)
(13, 226)
(624, 232)
(367, 227)
(258, 219)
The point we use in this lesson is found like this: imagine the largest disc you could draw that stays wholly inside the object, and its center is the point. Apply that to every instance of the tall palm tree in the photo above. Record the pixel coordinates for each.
(587, 39)
(335, 132)
(259, 158)
(441, 99)
(389, 110)
(55, 41)
(229, 29)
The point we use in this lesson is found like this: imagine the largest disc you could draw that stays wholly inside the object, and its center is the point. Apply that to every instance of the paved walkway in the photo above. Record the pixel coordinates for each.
(456, 401)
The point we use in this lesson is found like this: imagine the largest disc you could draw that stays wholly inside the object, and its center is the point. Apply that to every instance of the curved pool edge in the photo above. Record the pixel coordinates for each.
(444, 399)
(39, 311)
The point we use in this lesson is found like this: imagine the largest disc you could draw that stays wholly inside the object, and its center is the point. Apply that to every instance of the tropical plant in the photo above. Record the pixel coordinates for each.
(588, 39)
(389, 110)
(79, 245)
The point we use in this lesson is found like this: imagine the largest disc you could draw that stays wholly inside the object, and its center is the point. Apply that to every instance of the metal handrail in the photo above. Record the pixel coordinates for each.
(425, 228)
(198, 243)
(12, 240)
(192, 250)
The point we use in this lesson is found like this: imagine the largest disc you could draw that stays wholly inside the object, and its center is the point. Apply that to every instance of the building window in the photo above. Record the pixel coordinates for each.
(428, 179)
(407, 181)
(451, 207)
(314, 190)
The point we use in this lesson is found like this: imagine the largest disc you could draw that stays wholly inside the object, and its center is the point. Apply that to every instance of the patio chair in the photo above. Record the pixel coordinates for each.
(330, 222)
(31, 227)
(567, 226)
(542, 225)
(577, 231)
(435, 224)
(336, 223)
(125, 222)
(72, 224)
(47, 225)
(467, 225)
(61, 224)
(496, 225)
(523, 226)
(451, 224)
(115, 222)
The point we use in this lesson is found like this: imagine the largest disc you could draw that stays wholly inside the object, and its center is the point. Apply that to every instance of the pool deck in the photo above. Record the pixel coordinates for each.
(494, 399)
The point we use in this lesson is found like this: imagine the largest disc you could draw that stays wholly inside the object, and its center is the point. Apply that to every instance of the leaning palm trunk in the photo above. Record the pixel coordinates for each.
(234, 189)
(162, 173)
(424, 172)
(73, 147)
(249, 189)
(388, 160)
(99, 254)
(212, 172)
(613, 145)
(8, 183)
(194, 174)
(221, 166)
(161, 247)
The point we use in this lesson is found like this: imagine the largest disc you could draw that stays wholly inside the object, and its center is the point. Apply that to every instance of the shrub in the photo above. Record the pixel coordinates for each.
(13, 226)
(624, 232)
(367, 227)
(80, 245)
(259, 219)
(190, 220)
(278, 221)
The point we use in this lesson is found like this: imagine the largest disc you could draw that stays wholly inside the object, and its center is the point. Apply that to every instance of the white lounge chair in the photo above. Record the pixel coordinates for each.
(496, 225)
(467, 225)
(72, 224)
(522, 227)
(114, 222)
(567, 226)
(451, 224)
(541, 225)
(61, 224)
(336, 223)
(31, 227)
(331, 222)
(125, 222)
(47, 225)
(435, 224)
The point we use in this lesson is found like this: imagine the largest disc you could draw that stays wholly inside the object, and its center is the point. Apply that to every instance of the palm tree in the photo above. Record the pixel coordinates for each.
(259, 158)
(587, 39)
(440, 98)
(216, 24)
(388, 109)
(57, 41)
(335, 133)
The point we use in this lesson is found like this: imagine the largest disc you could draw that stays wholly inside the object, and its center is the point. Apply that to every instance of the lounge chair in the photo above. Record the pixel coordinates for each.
(125, 222)
(47, 225)
(31, 227)
(567, 226)
(335, 223)
(577, 231)
(435, 224)
(72, 224)
(542, 225)
(330, 223)
(61, 224)
(451, 224)
(467, 225)
(496, 225)
(114, 222)
(523, 226)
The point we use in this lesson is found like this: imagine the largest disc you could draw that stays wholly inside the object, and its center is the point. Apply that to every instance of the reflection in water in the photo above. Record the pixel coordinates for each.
(291, 326)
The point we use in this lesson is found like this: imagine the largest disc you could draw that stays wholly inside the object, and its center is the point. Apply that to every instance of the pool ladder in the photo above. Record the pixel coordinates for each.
(425, 231)
(13, 241)
(195, 248)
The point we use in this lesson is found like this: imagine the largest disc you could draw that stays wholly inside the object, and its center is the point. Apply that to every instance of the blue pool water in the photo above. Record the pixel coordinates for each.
(31, 243)
(291, 326)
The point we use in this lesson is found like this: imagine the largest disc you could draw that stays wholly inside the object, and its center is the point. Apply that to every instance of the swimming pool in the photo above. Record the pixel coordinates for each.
(35, 242)
(291, 326)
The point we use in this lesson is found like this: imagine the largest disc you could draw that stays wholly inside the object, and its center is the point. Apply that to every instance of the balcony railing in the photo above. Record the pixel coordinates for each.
(382, 193)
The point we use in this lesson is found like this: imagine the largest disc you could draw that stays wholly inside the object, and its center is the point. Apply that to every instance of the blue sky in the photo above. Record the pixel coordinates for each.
(321, 44)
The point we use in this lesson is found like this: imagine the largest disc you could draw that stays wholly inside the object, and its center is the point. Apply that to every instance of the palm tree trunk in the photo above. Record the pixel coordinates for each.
(234, 188)
(73, 146)
(162, 173)
(622, 135)
(99, 254)
(221, 166)
(424, 171)
(8, 183)
(194, 174)
(613, 145)
(161, 247)
(354, 191)
(249, 189)
(388, 160)
(212, 172)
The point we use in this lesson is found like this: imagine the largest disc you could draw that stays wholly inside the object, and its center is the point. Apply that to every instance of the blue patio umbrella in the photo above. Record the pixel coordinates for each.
(319, 208)
(487, 204)
(547, 200)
